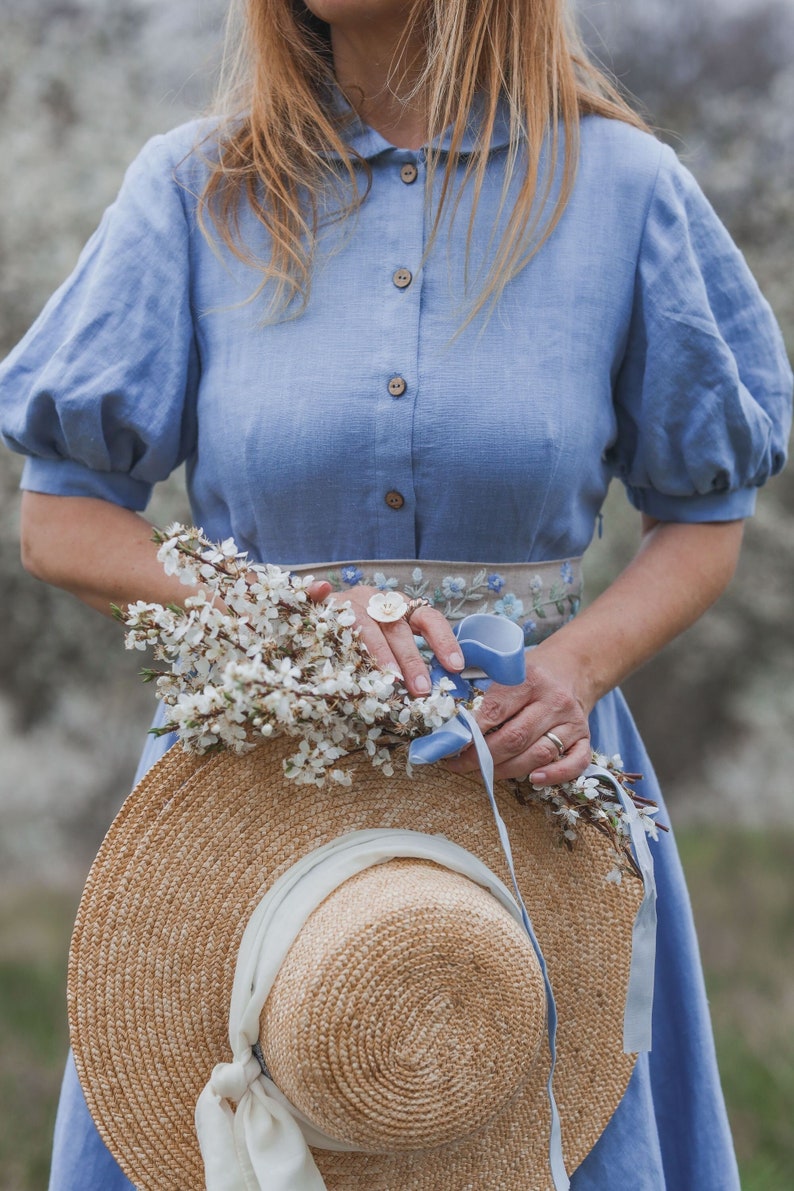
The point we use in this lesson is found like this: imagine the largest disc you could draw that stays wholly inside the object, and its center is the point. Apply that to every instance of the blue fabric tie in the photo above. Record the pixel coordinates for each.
(638, 1013)
(496, 645)
(493, 649)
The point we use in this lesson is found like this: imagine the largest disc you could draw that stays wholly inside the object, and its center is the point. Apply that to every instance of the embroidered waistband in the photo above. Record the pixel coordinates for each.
(538, 596)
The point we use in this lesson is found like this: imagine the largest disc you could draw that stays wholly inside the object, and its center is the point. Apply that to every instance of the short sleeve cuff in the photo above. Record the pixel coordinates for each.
(714, 506)
(64, 477)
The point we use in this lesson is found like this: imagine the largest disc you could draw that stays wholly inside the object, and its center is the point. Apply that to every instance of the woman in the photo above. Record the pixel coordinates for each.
(419, 298)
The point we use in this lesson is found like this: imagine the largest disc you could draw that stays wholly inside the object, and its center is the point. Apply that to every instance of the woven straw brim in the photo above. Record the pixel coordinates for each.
(192, 852)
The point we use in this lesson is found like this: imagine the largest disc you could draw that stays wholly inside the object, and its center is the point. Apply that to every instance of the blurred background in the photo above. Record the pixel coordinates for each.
(82, 84)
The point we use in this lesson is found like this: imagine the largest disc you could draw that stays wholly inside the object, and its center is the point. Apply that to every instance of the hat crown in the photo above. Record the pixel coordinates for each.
(408, 1011)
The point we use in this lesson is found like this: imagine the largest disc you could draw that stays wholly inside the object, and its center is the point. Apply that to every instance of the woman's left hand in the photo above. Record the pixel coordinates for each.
(514, 720)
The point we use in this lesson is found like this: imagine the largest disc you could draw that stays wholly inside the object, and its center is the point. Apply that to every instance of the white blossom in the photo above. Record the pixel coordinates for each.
(387, 606)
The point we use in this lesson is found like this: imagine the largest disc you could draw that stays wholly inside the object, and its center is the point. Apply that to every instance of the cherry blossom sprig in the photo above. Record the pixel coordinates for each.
(250, 655)
(591, 801)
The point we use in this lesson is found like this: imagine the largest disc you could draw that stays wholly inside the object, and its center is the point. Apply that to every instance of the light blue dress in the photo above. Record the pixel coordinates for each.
(636, 344)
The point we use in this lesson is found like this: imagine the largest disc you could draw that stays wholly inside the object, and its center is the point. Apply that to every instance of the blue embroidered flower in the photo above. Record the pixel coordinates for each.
(352, 575)
(536, 584)
(416, 574)
(530, 633)
(509, 606)
(382, 583)
(495, 583)
(566, 571)
(454, 588)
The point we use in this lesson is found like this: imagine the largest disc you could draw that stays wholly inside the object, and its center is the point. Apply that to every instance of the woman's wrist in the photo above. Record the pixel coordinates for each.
(572, 667)
(679, 571)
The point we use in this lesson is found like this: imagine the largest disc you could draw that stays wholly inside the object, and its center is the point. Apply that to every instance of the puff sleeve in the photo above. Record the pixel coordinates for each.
(703, 395)
(100, 392)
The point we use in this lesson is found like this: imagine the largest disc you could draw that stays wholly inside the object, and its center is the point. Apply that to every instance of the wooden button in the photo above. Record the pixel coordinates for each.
(409, 173)
(395, 500)
(397, 386)
(402, 278)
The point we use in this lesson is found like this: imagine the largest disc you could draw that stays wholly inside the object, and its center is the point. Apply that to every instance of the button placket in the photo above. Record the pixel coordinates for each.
(404, 203)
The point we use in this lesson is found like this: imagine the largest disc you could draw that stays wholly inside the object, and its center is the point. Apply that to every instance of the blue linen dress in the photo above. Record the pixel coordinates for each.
(635, 344)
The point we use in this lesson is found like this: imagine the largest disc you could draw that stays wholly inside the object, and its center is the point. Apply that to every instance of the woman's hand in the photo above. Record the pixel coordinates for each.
(679, 570)
(515, 718)
(392, 645)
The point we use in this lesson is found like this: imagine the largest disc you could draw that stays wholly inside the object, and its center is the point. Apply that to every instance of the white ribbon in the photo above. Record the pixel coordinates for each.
(265, 1143)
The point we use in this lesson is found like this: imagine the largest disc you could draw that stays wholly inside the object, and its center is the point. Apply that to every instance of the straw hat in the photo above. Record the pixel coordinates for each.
(408, 1017)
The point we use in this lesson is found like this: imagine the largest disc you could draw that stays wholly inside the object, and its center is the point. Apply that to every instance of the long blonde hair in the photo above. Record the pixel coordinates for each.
(281, 144)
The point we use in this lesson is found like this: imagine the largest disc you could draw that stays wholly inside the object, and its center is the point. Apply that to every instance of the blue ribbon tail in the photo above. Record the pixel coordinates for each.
(558, 1171)
(638, 1013)
(495, 645)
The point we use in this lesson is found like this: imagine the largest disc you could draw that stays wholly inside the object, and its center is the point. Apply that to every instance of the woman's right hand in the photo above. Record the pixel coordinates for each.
(392, 645)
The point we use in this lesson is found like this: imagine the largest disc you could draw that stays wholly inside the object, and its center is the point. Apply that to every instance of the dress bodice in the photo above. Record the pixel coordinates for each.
(377, 425)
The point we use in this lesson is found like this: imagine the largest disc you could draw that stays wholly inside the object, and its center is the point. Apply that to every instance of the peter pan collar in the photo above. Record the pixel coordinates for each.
(369, 144)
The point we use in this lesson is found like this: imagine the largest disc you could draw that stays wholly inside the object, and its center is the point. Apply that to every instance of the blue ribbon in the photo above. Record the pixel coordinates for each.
(494, 645)
(493, 649)
(639, 994)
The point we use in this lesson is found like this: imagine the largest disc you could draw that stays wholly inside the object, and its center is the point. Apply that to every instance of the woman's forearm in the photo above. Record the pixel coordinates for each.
(678, 572)
(98, 551)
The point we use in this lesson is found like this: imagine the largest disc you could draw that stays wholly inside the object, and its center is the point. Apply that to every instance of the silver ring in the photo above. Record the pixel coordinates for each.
(414, 605)
(555, 740)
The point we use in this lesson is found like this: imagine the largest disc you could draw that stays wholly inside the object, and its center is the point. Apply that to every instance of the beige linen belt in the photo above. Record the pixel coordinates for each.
(539, 596)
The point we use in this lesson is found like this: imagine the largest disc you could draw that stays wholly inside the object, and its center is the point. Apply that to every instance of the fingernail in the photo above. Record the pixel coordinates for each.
(456, 659)
(422, 684)
(538, 778)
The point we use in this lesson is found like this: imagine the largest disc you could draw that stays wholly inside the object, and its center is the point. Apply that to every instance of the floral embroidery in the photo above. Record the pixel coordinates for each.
(453, 589)
(380, 581)
(509, 606)
(540, 603)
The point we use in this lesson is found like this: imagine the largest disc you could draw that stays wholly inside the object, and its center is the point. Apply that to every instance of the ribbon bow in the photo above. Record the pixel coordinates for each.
(493, 650)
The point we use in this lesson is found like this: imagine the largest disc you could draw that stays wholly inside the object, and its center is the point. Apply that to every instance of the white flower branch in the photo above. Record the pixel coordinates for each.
(250, 656)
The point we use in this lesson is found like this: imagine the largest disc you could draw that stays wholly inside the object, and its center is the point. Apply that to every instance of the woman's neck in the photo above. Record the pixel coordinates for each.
(377, 68)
